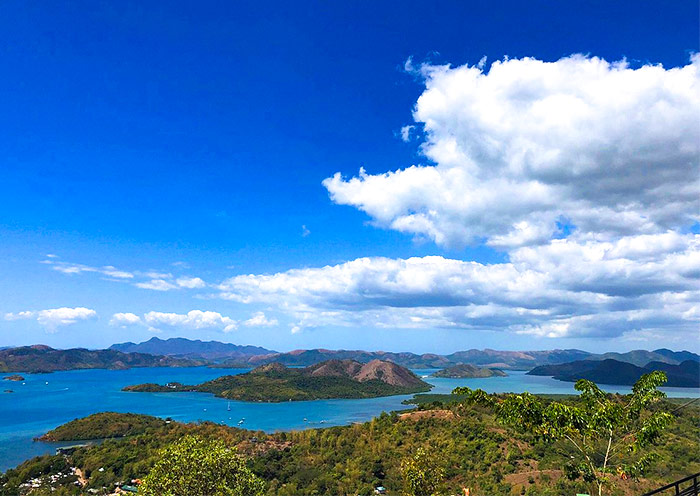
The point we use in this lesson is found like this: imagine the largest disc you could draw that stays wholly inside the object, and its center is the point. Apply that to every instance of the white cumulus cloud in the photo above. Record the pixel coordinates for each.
(194, 319)
(564, 288)
(53, 318)
(259, 319)
(611, 149)
(124, 319)
(190, 282)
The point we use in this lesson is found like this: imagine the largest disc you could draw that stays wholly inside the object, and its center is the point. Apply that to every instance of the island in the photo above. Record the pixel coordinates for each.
(15, 377)
(609, 371)
(465, 370)
(43, 359)
(102, 426)
(326, 380)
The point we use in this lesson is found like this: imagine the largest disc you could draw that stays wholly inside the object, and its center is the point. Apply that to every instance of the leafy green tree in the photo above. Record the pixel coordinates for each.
(421, 475)
(609, 434)
(194, 466)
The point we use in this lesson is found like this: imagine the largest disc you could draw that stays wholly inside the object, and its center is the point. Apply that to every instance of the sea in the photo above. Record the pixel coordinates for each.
(44, 401)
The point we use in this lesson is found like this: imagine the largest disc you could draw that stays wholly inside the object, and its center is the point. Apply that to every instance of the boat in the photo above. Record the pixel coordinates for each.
(305, 419)
(229, 406)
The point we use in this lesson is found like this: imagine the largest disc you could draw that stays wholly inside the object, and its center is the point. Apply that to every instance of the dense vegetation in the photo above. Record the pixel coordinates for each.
(39, 359)
(195, 466)
(465, 442)
(103, 425)
(613, 435)
(275, 383)
(464, 370)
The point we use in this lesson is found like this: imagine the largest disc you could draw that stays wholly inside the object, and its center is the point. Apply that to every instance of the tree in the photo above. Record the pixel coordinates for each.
(194, 466)
(421, 476)
(610, 434)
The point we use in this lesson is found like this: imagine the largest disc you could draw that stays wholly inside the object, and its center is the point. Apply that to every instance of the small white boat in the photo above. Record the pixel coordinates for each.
(323, 422)
(305, 419)
(229, 406)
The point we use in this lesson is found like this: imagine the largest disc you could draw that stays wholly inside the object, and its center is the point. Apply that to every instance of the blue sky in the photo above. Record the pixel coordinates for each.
(193, 139)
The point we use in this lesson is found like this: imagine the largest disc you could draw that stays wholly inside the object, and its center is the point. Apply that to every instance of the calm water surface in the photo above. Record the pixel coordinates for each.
(45, 401)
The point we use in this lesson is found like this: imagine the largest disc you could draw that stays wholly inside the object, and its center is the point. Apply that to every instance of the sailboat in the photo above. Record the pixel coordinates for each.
(229, 406)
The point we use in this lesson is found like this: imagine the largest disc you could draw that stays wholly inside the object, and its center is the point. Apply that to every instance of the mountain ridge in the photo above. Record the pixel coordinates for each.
(610, 371)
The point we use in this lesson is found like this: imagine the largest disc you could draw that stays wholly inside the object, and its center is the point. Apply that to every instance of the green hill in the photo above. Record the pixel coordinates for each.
(325, 380)
(466, 371)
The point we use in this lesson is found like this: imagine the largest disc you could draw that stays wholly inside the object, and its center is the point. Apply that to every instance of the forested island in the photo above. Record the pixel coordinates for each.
(466, 371)
(610, 371)
(326, 380)
(103, 425)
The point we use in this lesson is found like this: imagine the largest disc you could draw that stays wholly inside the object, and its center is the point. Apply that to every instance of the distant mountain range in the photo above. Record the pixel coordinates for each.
(252, 356)
(610, 371)
(208, 350)
(567, 365)
(40, 358)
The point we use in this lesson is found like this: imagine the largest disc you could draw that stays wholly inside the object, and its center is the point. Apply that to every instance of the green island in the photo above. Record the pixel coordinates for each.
(465, 371)
(475, 451)
(330, 379)
(103, 425)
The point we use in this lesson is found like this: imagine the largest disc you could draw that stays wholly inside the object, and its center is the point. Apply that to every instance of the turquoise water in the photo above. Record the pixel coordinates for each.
(45, 401)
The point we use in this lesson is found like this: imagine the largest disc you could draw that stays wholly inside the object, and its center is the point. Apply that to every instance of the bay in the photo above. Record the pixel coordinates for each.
(44, 401)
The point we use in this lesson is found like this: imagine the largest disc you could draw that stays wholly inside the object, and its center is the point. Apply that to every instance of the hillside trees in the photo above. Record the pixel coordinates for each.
(610, 435)
(194, 466)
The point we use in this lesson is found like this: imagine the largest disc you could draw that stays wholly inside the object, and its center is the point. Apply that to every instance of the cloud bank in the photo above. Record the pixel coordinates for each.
(563, 289)
(192, 320)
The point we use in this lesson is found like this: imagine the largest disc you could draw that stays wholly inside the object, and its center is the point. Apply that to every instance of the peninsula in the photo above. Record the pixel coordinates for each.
(326, 380)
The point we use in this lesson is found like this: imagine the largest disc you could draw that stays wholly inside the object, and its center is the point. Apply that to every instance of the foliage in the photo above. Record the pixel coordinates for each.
(611, 434)
(468, 442)
(421, 475)
(103, 425)
(197, 467)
